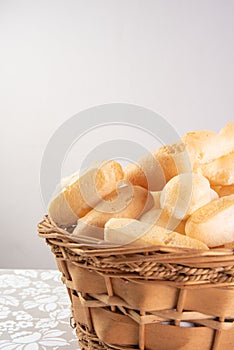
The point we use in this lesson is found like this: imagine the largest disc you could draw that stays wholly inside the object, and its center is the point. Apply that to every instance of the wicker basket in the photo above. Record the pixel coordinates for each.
(127, 298)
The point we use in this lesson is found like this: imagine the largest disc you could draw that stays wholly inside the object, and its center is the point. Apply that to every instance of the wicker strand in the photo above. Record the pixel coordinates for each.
(142, 333)
(109, 290)
(217, 336)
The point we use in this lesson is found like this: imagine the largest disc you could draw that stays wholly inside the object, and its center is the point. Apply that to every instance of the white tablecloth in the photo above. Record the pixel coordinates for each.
(34, 311)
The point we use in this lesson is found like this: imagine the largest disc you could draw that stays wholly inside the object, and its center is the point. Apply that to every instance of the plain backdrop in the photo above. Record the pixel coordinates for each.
(57, 58)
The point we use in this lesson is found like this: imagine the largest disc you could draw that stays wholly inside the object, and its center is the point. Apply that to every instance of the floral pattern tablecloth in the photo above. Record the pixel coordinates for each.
(34, 311)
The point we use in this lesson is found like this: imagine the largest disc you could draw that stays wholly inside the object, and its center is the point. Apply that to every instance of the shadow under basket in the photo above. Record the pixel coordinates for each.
(154, 298)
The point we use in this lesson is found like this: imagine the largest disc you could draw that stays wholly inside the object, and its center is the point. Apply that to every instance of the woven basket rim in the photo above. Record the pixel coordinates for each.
(48, 229)
(171, 264)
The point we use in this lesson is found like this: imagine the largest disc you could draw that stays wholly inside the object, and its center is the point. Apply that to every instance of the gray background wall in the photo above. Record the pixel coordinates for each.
(60, 57)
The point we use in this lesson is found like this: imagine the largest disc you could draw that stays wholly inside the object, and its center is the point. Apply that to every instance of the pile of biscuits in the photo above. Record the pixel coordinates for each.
(180, 195)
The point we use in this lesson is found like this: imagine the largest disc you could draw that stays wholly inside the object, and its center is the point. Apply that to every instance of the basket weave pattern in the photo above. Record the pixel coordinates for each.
(130, 298)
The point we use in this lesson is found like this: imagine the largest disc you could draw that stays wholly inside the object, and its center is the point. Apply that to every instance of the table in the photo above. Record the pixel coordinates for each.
(34, 311)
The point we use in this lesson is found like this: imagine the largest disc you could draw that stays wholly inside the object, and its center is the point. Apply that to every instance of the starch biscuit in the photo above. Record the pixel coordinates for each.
(134, 232)
(213, 223)
(201, 146)
(79, 194)
(162, 218)
(220, 172)
(184, 194)
(128, 202)
(155, 169)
